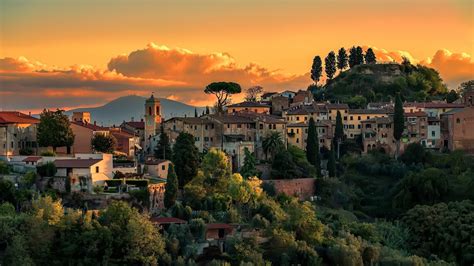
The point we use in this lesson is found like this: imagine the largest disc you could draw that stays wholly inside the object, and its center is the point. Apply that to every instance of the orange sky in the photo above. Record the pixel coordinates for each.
(271, 43)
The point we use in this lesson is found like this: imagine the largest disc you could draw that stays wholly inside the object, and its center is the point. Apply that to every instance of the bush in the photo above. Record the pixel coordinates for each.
(4, 168)
(47, 169)
(26, 151)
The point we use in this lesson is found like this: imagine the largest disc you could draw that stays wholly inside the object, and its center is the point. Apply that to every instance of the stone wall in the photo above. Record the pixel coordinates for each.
(303, 188)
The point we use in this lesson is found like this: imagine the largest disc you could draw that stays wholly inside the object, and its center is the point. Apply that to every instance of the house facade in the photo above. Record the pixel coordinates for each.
(17, 133)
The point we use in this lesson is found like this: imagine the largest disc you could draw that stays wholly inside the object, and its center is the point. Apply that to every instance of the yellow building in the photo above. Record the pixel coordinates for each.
(352, 122)
(297, 134)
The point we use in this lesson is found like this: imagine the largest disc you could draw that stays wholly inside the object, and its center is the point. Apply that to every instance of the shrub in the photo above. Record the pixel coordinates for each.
(48, 154)
(48, 169)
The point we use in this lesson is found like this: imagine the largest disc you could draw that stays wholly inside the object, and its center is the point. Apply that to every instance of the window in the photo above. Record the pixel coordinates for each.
(157, 110)
(297, 140)
(206, 138)
(297, 118)
(97, 169)
(345, 118)
(149, 110)
(228, 125)
(163, 167)
(239, 125)
(433, 133)
(297, 131)
(358, 118)
(261, 126)
(368, 117)
(305, 118)
(269, 126)
(458, 120)
(351, 118)
(274, 126)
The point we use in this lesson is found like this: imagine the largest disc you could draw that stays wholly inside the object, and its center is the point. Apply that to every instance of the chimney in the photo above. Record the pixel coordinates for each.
(95, 122)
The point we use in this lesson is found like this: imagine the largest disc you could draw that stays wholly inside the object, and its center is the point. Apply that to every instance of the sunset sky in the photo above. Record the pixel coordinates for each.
(84, 53)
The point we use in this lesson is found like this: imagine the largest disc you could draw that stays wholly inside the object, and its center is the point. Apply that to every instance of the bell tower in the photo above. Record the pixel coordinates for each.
(152, 119)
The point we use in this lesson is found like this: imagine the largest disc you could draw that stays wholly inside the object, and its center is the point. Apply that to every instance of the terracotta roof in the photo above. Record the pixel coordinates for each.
(337, 106)
(166, 220)
(380, 120)
(13, 117)
(322, 123)
(136, 124)
(32, 159)
(249, 104)
(433, 105)
(75, 163)
(272, 119)
(91, 126)
(121, 134)
(219, 226)
(367, 111)
(232, 118)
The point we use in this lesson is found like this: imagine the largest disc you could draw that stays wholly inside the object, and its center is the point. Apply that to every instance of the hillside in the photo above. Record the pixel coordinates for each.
(381, 82)
(124, 108)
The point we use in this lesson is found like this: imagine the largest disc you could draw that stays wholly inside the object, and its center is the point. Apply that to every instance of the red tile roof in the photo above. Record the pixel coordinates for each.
(75, 163)
(32, 159)
(417, 114)
(13, 117)
(167, 220)
(93, 127)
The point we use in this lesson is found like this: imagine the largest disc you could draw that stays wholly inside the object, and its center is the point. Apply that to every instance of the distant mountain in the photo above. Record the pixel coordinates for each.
(124, 108)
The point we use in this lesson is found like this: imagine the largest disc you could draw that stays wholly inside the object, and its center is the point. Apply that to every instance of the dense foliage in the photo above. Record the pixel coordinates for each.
(54, 130)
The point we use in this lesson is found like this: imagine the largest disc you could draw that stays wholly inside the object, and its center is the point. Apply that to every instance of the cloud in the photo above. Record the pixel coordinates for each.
(390, 56)
(453, 67)
(198, 70)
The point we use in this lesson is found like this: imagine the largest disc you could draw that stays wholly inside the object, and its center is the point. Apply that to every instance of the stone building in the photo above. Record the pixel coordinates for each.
(457, 129)
(17, 133)
(152, 121)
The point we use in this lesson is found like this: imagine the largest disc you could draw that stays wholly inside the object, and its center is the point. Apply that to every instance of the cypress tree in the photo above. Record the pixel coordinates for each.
(163, 149)
(330, 65)
(359, 55)
(370, 57)
(352, 57)
(338, 132)
(207, 110)
(171, 187)
(342, 59)
(398, 123)
(185, 158)
(312, 147)
(195, 112)
(316, 69)
(248, 169)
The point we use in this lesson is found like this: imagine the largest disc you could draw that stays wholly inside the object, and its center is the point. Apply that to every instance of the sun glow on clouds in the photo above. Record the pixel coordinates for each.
(176, 73)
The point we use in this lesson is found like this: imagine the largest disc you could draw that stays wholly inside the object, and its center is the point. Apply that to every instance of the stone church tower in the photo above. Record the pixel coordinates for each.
(152, 120)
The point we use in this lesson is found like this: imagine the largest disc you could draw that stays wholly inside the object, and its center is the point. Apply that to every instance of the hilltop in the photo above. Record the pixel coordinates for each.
(380, 82)
(124, 108)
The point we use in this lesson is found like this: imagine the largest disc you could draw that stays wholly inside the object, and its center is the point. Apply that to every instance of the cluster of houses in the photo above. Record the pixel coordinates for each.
(436, 125)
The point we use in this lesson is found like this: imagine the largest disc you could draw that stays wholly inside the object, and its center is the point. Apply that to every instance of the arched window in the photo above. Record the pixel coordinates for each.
(149, 110)
(157, 110)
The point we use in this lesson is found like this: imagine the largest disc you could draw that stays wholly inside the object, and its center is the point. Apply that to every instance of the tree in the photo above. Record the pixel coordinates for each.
(342, 59)
(207, 110)
(332, 164)
(312, 147)
(359, 55)
(370, 56)
(283, 166)
(46, 169)
(103, 143)
(54, 130)
(316, 69)
(353, 57)
(330, 65)
(339, 132)
(272, 143)
(398, 123)
(195, 112)
(171, 188)
(248, 169)
(185, 158)
(253, 93)
(414, 153)
(163, 149)
(452, 96)
(222, 91)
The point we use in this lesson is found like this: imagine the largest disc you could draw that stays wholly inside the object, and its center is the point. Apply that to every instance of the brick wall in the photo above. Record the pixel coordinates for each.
(303, 188)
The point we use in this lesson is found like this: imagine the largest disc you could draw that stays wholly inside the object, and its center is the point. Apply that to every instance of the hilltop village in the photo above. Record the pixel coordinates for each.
(283, 178)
